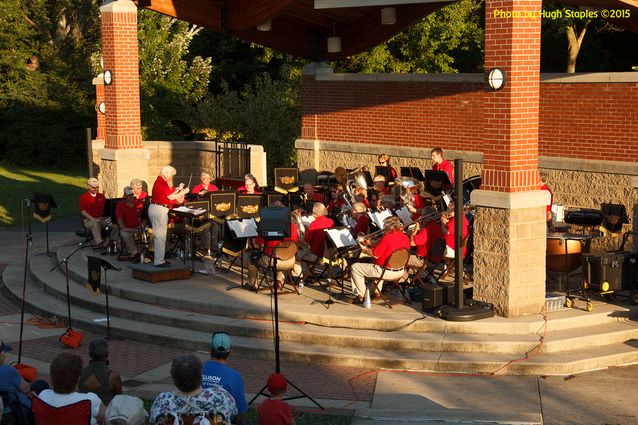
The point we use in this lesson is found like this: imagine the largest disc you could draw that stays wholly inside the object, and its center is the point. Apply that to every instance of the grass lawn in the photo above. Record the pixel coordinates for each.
(65, 186)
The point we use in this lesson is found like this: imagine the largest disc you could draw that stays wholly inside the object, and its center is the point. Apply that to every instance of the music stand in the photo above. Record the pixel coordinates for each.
(192, 212)
(274, 225)
(340, 240)
(43, 204)
(286, 180)
(94, 265)
(29, 243)
(384, 171)
(414, 172)
(222, 204)
(435, 183)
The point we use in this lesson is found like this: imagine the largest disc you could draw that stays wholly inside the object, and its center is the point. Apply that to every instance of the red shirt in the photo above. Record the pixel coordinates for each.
(161, 190)
(363, 225)
(419, 204)
(269, 245)
(94, 205)
(211, 188)
(449, 238)
(130, 215)
(446, 166)
(551, 196)
(242, 191)
(389, 243)
(141, 196)
(426, 237)
(274, 412)
(316, 197)
(315, 236)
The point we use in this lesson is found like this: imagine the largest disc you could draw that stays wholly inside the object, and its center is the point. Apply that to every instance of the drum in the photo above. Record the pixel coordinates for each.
(563, 255)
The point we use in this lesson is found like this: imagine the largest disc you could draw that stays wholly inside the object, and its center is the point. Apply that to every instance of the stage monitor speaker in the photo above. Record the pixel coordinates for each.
(274, 223)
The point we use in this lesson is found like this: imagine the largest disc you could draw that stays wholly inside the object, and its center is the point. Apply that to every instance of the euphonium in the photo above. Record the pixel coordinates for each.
(295, 216)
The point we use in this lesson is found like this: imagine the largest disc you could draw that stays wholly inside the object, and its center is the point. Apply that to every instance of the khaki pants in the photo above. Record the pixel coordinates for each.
(96, 226)
(129, 241)
(360, 271)
(265, 262)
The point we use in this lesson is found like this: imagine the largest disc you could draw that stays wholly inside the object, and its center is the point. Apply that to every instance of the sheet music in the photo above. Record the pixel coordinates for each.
(246, 228)
(378, 217)
(404, 214)
(558, 211)
(341, 237)
(307, 219)
(196, 212)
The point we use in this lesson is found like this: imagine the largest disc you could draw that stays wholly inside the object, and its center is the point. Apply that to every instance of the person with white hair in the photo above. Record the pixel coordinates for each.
(163, 198)
(205, 185)
(138, 189)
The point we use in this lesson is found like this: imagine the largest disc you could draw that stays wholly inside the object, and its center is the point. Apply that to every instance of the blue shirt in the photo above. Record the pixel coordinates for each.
(216, 373)
(10, 381)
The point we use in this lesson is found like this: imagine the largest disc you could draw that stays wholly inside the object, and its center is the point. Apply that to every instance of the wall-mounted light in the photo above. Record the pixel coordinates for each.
(266, 26)
(101, 108)
(108, 78)
(496, 78)
(388, 16)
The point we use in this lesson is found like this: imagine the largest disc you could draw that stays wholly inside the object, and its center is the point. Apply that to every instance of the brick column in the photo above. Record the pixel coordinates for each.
(98, 82)
(123, 156)
(510, 233)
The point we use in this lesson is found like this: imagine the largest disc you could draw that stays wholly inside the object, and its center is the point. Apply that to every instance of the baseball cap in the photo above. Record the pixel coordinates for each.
(126, 408)
(93, 182)
(128, 190)
(277, 383)
(4, 348)
(220, 342)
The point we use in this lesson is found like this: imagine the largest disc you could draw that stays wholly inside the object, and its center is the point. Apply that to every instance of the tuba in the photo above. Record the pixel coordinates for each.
(295, 217)
(401, 189)
(356, 180)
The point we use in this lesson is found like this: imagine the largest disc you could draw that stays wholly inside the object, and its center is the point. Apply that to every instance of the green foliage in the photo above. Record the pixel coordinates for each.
(266, 113)
(168, 82)
(449, 40)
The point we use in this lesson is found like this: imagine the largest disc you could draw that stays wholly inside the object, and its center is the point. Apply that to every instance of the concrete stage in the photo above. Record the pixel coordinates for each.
(183, 313)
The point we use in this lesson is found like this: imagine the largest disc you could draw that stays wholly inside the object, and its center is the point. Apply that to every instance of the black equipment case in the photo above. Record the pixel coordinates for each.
(618, 269)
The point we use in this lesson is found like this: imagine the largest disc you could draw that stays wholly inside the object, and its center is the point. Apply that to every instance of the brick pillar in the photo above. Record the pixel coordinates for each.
(510, 229)
(123, 156)
(309, 96)
(98, 82)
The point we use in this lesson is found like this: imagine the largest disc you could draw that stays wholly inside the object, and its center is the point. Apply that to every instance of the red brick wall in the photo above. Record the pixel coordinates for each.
(122, 97)
(577, 120)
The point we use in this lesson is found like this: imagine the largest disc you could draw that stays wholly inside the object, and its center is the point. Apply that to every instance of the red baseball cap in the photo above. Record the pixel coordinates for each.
(277, 383)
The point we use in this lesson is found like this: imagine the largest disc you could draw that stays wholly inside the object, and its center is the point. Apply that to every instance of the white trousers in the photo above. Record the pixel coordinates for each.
(158, 215)
(360, 271)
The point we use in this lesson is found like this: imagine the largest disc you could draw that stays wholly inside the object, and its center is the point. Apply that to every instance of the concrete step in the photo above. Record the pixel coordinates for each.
(305, 332)
(261, 348)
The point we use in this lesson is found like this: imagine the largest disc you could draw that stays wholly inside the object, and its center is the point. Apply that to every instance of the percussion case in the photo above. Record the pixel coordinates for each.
(436, 295)
(619, 268)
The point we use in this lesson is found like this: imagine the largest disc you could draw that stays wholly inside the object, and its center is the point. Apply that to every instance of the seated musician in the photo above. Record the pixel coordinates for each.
(442, 164)
(311, 195)
(423, 237)
(138, 189)
(388, 202)
(447, 220)
(205, 185)
(360, 216)
(392, 240)
(417, 204)
(384, 161)
(314, 240)
(250, 187)
(380, 185)
(268, 246)
(337, 201)
(92, 211)
(128, 216)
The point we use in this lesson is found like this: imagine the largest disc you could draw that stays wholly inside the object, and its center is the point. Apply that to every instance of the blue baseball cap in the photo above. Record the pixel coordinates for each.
(220, 342)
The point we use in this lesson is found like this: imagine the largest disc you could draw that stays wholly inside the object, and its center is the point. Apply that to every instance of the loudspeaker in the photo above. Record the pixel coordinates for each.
(436, 295)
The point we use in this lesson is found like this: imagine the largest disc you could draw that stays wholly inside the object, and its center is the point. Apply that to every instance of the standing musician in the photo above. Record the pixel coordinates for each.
(384, 161)
(392, 240)
(128, 216)
(164, 197)
(250, 187)
(268, 246)
(314, 241)
(447, 220)
(205, 185)
(423, 238)
(441, 164)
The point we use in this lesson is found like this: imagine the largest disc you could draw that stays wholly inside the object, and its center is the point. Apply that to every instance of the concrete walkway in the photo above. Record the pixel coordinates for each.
(372, 396)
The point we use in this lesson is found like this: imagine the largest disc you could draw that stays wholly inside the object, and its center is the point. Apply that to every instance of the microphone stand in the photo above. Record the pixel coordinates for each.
(29, 243)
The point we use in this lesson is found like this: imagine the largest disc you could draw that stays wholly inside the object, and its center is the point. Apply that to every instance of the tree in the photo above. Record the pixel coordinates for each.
(448, 40)
(169, 83)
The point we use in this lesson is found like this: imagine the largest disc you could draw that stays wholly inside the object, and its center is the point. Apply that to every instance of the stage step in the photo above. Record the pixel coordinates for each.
(571, 342)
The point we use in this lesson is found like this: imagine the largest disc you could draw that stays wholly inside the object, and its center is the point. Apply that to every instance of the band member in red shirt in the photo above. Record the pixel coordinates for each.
(128, 219)
(311, 195)
(392, 240)
(314, 240)
(384, 161)
(423, 237)
(448, 221)
(544, 186)
(441, 164)
(204, 186)
(138, 189)
(250, 187)
(164, 197)
(360, 216)
(91, 205)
